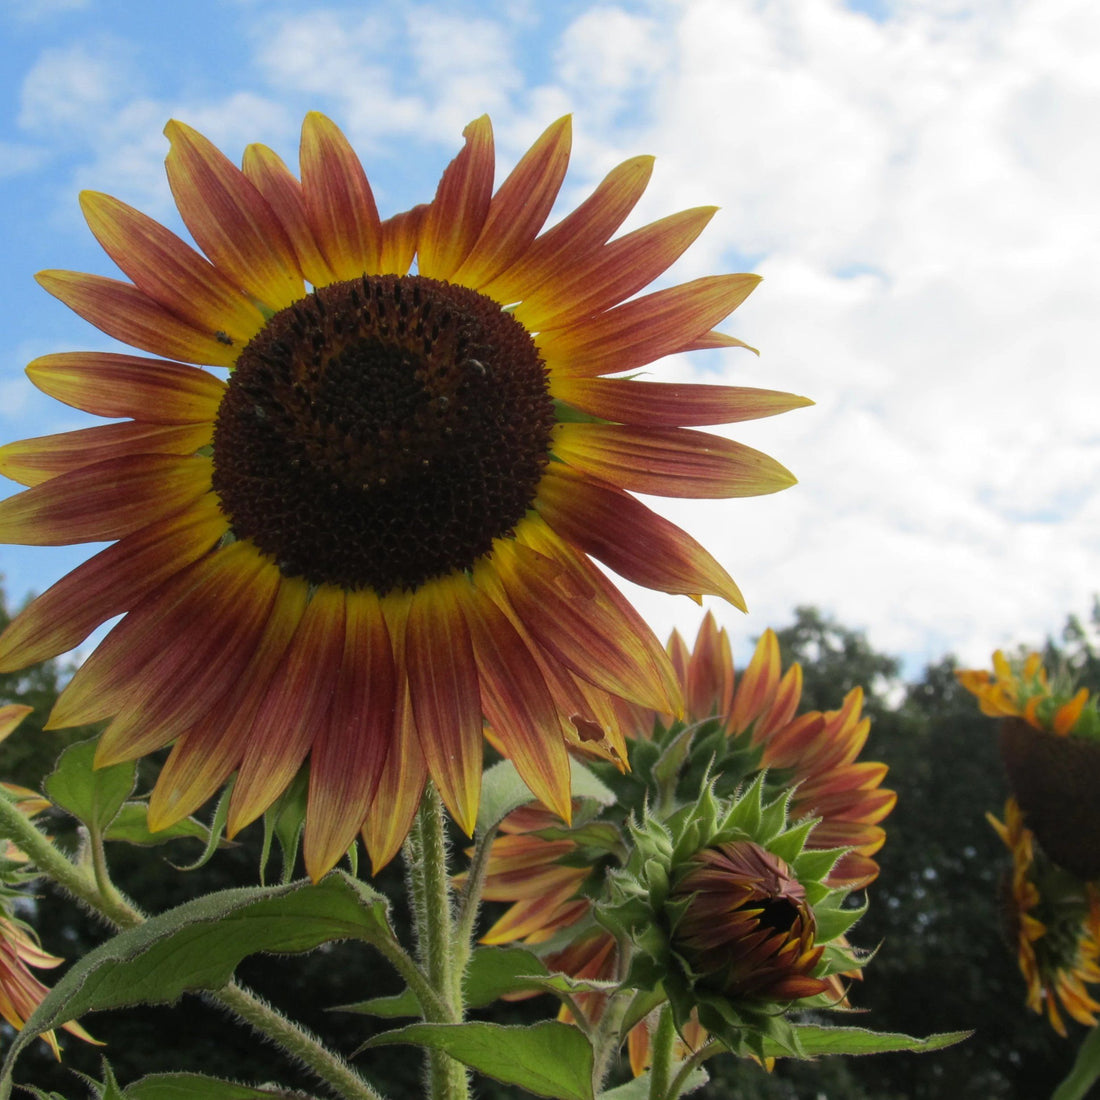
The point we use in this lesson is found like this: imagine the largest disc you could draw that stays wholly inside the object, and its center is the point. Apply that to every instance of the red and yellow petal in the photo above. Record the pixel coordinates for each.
(347, 758)
(577, 236)
(669, 404)
(672, 462)
(338, 201)
(33, 461)
(444, 689)
(126, 313)
(169, 271)
(111, 582)
(151, 390)
(645, 328)
(102, 502)
(230, 220)
(457, 214)
(630, 538)
(269, 174)
(519, 208)
(618, 270)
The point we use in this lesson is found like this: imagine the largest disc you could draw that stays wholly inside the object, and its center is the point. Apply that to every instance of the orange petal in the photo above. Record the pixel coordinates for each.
(294, 708)
(102, 502)
(443, 687)
(33, 461)
(271, 177)
(671, 462)
(400, 235)
(338, 200)
(1065, 717)
(784, 705)
(110, 583)
(628, 537)
(709, 681)
(168, 271)
(518, 705)
(230, 219)
(520, 207)
(348, 756)
(204, 757)
(758, 682)
(578, 235)
(614, 273)
(129, 315)
(152, 390)
(670, 404)
(206, 652)
(457, 213)
(11, 714)
(645, 328)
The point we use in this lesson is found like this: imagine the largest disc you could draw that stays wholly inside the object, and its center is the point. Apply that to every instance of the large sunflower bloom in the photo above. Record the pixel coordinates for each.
(1055, 923)
(375, 535)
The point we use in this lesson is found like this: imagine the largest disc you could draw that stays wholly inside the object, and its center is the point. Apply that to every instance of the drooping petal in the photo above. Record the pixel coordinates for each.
(630, 538)
(671, 462)
(151, 390)
(645, 328)
(102, 502)
(228, 611)
(338, 200)
(457, 213)
(670, 404)
(520, 207)
(127, 314)
(271, 177)
(518, 704)
(576, 616)
(33, 461)
(229, 218)
(294, 709)
(169, 271)
(113, 581)
(614, 273)
(347, 759)
(207, 754)
(444, 689)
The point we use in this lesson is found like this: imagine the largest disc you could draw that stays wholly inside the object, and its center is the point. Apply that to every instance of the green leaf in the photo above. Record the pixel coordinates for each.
(131, 824)
(816, 1040)
(1085, 1071)
(195, 1086)
(92, 796)
(502, 791)
(199, 944)
(548, 1059)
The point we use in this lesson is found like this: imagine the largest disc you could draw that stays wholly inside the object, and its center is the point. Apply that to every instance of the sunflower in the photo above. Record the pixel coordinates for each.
(1054, 921)
(376, 534)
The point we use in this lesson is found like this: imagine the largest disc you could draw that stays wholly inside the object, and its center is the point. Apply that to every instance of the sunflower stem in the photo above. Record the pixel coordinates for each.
(299, 1043)
(437, 932)
(660, 1068)
(75, 878)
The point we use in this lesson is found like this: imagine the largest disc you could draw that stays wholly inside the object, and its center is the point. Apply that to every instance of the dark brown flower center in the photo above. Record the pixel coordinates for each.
(382, 432)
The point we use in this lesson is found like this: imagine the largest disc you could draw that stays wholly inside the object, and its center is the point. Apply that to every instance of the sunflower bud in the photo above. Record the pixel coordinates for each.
(747, 930)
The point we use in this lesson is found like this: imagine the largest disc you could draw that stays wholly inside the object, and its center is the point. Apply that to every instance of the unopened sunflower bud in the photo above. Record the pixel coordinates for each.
(747, 930)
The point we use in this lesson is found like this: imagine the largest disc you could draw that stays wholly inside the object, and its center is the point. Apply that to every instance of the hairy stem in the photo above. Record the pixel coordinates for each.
(295, 1040)
(661, 1066)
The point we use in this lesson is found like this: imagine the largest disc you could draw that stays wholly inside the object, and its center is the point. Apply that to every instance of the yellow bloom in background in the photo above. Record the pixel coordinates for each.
(378, 532)
(1055, 923)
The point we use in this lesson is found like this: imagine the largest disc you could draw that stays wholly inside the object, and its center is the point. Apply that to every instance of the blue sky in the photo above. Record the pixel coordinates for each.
(915, 179)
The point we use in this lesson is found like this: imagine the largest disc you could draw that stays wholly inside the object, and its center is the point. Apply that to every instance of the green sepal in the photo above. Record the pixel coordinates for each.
(217, 827)
(548, 1059)
(284, 821)
(131, 825)
(92, 795)
(833, 921)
